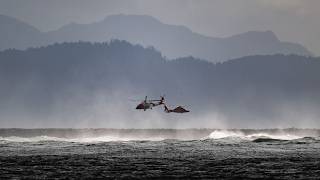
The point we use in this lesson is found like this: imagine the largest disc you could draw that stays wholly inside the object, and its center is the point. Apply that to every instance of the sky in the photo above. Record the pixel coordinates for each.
(291, 20)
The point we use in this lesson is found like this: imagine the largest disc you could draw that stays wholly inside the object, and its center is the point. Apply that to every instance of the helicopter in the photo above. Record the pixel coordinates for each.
(149, 104)
(178, 109)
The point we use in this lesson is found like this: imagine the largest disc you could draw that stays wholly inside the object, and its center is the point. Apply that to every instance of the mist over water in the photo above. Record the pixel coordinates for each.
(115, 110)
(118, 135)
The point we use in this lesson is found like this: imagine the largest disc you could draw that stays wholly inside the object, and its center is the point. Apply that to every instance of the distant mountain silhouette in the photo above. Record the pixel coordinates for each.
(17, 34)
(65, 79)
(173, 41)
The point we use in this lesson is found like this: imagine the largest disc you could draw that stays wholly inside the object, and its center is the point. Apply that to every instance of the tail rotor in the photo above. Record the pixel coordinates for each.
(162, 100)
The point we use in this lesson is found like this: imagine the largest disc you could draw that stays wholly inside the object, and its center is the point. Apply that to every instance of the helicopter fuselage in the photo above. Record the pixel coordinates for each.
(145, 105)
(149, 104)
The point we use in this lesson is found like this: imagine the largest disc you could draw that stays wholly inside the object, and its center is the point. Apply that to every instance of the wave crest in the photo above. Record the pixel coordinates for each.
(219, 134)
(82, 139)
(224, 134)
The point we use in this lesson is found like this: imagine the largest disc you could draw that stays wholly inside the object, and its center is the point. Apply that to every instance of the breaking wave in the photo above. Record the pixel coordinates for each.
(109, 135)
(234, 134)
(257, 137)
(80, 140)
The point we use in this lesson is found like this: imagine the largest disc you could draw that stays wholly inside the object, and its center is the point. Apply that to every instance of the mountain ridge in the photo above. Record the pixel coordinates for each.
(172, 40)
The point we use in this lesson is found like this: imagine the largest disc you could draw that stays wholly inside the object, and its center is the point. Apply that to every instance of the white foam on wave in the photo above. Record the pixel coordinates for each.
(271, 136)
(29, 139)
(220, 134)
(217, 134)
(82, 139)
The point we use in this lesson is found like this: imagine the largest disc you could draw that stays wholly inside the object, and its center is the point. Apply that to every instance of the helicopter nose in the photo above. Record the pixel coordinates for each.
(140, 106)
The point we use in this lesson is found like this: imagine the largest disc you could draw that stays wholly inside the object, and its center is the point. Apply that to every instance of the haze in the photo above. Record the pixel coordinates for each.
(233, 64)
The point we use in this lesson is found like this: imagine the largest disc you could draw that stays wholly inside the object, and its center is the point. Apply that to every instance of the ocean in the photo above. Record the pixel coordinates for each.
(159, 153)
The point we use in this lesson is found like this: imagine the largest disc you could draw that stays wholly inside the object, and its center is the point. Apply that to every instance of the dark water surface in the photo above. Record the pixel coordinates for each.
(129, 154)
